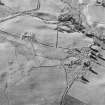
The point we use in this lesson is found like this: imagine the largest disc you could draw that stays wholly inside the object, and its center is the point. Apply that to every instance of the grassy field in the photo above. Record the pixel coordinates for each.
(31, 70)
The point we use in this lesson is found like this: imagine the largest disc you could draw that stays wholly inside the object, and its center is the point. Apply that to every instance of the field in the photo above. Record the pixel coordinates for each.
(43, 59)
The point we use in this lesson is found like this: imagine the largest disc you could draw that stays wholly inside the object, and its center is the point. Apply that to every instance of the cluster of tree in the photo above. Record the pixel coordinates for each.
(100, 2)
